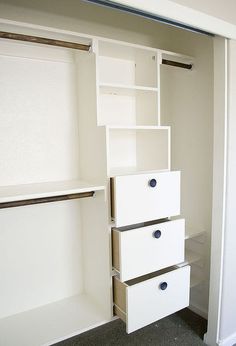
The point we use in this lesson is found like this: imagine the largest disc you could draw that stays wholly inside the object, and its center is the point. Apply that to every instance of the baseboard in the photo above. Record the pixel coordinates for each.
(230, 341)
(199, 311)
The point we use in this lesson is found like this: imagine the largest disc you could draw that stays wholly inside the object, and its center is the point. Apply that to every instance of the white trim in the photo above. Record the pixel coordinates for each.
(183, 15)
(219, 200)
(231, 340)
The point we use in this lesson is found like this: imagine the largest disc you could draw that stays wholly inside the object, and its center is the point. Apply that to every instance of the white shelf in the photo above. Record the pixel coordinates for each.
(193, 233)
(109, 86)
(122, 127)
(190, 257)
(50, 323)
(166, 53)
(119, 171)
(12, 193)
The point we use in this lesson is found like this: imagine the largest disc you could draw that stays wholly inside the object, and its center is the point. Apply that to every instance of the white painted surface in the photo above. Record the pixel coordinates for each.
(218, 9)
(141, 253)
(185, 15)
(135, 201)
(147, 303)
(219, 189)
(228, 310)
(51, 323)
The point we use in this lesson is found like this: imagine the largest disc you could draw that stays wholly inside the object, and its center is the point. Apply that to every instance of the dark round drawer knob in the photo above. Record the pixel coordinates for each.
(163, 286)
(152, 182)
(157, 234)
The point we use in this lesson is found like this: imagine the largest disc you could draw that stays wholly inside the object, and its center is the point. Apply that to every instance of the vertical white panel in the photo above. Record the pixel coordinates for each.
(227, 333)
(219, 169)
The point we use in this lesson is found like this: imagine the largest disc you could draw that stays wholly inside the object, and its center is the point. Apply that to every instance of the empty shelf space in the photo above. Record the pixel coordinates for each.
(138, 149)
(124, 64)
(131, 105)
(50, 323)
(25, 192)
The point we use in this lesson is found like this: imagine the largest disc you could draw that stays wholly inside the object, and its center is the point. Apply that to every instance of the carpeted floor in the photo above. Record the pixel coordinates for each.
(181, 329)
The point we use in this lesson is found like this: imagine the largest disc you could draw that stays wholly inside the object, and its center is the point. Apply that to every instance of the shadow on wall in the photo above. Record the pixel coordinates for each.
(89, 18)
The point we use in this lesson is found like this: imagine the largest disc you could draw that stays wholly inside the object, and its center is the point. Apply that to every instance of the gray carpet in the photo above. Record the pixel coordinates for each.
(183, 329)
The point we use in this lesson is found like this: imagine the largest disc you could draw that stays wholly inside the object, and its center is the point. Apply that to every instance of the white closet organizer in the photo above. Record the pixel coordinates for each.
(96, 125)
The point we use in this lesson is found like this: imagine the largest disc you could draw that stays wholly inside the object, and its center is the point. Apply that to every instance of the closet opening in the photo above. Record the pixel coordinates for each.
(136, 101)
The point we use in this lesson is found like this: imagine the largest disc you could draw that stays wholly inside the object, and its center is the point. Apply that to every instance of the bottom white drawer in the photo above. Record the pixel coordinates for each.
(144, 300)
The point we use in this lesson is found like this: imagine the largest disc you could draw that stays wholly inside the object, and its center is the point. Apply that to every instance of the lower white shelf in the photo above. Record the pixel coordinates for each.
(50, 323)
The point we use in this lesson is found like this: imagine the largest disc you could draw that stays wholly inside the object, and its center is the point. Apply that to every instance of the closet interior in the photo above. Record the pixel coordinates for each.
(86, 138)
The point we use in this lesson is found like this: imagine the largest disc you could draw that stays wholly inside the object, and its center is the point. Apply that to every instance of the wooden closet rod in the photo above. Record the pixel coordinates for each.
(177, 64)
(46, 199)
(43, 40)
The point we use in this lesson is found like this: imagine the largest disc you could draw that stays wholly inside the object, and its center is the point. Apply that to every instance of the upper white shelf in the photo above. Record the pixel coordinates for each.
(12, 193)
(110, 86)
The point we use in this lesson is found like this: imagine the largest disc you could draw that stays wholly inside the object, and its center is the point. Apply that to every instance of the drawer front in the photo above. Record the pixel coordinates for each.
(145, 197)
(147, 302)
(148, 249)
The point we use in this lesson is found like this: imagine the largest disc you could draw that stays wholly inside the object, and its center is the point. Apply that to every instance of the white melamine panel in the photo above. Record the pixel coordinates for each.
(51, 323)
(142, 301)
(40, 255)
(92, 140)
(141, 253)
(96, 252)
(39, 137)
(127, 106)
(147, 303)
(137, 149)
(136, 201)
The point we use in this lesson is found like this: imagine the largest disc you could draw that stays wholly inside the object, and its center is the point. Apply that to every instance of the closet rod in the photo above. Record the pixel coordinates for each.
(39, 200)
(43, 40)
(177, 64)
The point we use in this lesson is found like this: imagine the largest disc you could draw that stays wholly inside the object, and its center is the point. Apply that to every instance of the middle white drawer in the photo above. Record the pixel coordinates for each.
(140, 251)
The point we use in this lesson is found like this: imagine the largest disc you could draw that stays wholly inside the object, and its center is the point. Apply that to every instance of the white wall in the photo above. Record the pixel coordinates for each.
(225, 10)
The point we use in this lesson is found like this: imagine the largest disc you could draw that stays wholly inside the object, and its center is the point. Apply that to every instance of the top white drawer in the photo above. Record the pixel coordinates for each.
(144, 197)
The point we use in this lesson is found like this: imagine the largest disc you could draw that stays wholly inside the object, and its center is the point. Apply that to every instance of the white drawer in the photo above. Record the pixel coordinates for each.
(134, 200)
(139, 303)
(147, 249)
